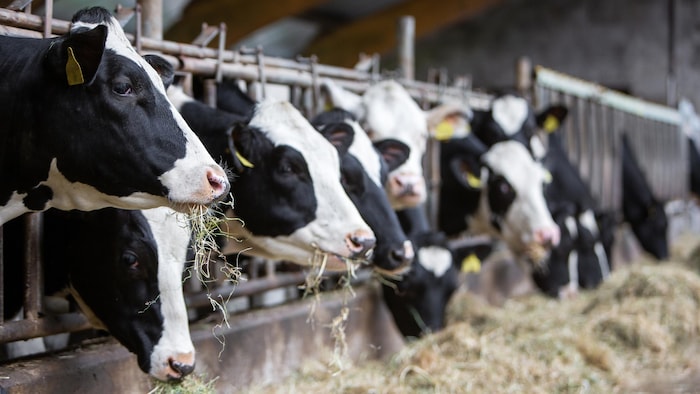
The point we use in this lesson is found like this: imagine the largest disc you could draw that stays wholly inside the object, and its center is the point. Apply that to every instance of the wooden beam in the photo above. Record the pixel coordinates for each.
(377, 33)
(242, 17)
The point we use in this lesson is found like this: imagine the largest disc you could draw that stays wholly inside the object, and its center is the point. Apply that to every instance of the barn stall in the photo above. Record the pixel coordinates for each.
(233, 354)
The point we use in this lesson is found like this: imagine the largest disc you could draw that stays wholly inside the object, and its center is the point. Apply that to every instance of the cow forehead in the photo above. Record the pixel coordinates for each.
(510, 112)
(119, 43)
(284, 125)
(364, 152)
(512, 160)
(435, 259)
(392, 113)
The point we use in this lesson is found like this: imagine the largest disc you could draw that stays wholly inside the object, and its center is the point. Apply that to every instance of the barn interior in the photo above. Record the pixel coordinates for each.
(617, 65)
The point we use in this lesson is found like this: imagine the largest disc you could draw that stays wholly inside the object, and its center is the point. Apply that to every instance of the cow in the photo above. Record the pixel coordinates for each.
(364, 167)
(287, 191)
(386, 110)
(581, 259)
(124, 269)
(87, 124)
(496, 191)
(417, 300)
(641, 209)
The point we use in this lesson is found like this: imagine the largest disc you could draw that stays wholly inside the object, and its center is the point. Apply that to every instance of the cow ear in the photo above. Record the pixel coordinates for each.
(80, 55)
(393, 152)
(551, 118)
(450, 120)
(162, 67)
(240, 142)
(467, 172)
(340, 135)
(342, 98)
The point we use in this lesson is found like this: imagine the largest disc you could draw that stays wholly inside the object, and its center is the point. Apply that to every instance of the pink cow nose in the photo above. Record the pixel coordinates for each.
(219, 182)
(548, 236)
(360, 243)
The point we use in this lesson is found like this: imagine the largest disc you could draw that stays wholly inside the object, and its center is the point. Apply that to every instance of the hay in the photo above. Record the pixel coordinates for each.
(642, 323)
(191, 384)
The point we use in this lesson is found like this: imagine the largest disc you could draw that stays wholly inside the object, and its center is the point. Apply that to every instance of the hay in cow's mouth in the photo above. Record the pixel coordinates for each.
(205, 226)
(339, 359)
(190, 384)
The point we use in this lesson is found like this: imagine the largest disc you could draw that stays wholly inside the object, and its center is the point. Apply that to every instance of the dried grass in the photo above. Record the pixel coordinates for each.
(191, 384)
(643, 322)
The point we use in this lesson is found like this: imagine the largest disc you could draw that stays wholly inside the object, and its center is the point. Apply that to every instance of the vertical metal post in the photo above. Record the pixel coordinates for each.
(48, 18)
(34, 283)
(152, 22)
(671, 84)
(210, 92)
(407, 32)
(523, 78)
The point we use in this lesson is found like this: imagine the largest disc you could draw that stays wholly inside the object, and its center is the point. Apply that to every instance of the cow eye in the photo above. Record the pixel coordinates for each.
(130, 261)
(122, 88)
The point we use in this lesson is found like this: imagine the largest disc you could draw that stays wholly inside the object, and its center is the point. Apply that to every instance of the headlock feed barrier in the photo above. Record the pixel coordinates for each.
(598, 117)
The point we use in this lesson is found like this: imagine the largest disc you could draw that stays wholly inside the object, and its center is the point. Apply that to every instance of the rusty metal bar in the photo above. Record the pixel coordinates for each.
(33, 281)
(49, 325)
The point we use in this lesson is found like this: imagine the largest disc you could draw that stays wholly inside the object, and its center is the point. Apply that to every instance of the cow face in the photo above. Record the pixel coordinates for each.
(126, 274)
(387, 111)
(503, 197)
(289, 194)
(135, 290)
(107, 134)
(364, 169)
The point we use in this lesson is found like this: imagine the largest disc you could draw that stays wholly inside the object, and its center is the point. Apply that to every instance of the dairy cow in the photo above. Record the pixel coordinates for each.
(364, 167)
(386, 110)
(87, 124)
(581, 259)
(640, 208)
(124, 269)
(287, 190)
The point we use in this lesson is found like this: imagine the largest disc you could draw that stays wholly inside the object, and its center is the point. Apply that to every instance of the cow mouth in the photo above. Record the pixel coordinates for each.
(537, 255)
(334, 262)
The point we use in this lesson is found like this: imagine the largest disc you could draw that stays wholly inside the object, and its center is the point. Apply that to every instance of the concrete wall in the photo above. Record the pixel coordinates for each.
(620, 44)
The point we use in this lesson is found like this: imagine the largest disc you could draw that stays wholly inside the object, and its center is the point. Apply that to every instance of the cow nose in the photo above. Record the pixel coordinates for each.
(218, 181)
(361, 243)
(181, 368)
(403, 256)
(548, 236)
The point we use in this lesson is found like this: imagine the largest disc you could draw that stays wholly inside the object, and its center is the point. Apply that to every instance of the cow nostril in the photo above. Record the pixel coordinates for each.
(181, 368)
(361, 243)
(219, 184)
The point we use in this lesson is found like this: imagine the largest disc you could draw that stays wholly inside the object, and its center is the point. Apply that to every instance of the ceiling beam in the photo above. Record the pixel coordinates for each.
(242, 17)
(377, 33)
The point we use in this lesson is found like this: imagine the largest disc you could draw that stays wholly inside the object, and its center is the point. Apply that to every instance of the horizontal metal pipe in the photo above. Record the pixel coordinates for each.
(29, 328)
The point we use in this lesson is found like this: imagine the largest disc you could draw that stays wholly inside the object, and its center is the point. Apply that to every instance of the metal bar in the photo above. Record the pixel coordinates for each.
(48, 18)
(406, 38)
(33, 284)
(152, 18)
(49, 325)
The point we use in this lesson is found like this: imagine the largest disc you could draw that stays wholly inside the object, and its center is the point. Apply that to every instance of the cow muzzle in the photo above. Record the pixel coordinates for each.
(176, 367)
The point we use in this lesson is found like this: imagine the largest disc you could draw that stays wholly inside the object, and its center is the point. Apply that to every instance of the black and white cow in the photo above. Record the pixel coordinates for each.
(87, 124)
(287, 190)
(496, 191)
(641, 209)
(364, 167)
(418, 299)
(124, 269)
(386, 110)
(581, 259)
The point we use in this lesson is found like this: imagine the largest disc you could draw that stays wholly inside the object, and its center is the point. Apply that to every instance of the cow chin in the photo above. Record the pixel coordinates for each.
(400, 201)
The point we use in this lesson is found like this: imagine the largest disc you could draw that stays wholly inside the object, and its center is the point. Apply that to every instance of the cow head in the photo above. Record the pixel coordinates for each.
(97, 129)
(125, 271)
(499, 192)
(364, 168)
(386, 110)
(289, 194)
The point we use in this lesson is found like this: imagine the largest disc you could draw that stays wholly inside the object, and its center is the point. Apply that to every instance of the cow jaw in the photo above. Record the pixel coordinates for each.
(173, 356)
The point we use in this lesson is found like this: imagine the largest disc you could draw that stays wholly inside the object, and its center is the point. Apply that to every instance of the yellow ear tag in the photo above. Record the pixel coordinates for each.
(471, 263)
(444, 131)
(473, 181)
(244, 161)
(73, 70)
(551, 123)
(547, 176)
